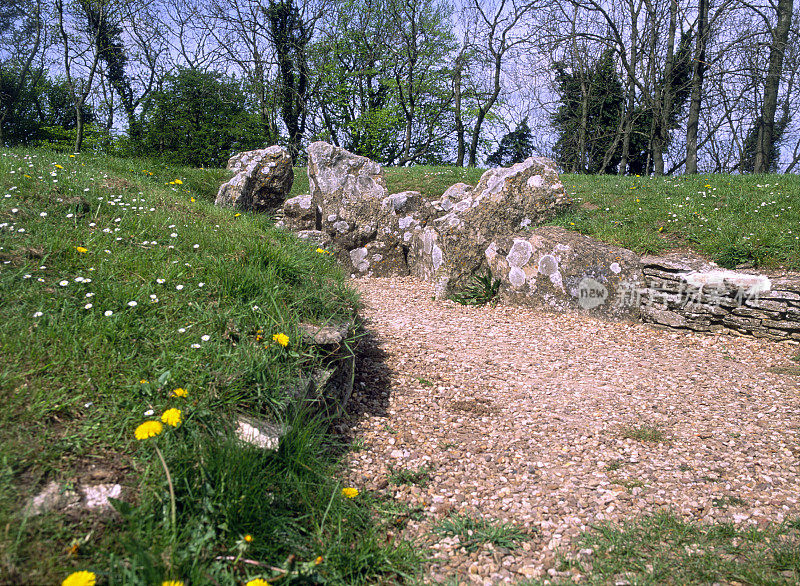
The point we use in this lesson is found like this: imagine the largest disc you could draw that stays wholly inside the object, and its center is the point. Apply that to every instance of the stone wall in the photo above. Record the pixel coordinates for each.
(690, 293)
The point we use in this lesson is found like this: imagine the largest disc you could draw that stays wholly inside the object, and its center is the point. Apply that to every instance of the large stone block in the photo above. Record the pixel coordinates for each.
(349, 191)
(262, 181)
(565, 271)
(504, 201)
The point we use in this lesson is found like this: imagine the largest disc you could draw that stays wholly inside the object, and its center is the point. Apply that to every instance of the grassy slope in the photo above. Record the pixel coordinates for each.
(117, 285)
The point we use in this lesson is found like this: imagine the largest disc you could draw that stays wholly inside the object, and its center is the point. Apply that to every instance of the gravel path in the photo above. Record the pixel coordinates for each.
(523, 418)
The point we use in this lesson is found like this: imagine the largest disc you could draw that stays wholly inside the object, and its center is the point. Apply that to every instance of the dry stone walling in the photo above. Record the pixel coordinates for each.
(493, 227)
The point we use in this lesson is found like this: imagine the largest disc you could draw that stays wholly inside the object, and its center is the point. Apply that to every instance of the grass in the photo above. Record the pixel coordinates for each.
(474, 532)
(664, 549)
(730, 219)
(120, 282)
(643, 433)
(419, 477)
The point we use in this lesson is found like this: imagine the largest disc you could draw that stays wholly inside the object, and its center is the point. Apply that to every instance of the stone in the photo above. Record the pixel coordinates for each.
(262, 181)
(299, 213)
(324, 335)
(561, 270)
(504, 201)
(262, 434)
(317, 237)
(383, 257)
(349, 191)
(57, 497)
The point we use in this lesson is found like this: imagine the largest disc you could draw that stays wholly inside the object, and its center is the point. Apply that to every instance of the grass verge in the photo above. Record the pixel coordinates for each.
(128, 296)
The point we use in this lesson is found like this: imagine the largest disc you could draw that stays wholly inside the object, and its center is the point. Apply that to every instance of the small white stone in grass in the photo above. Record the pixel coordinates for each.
(195, 345)
(88, 306)
(108, 313)
(205, 338)
(14, 210)
(63, 283)
(178, 287)
(70, 215)
(132, 304)
(38, 314)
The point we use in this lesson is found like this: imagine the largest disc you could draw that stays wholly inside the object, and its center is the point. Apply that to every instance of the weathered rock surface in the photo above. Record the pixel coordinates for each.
(263, 180)
(565, 271)
(682, 291)
(61, 498)
(505, 200)
(349, 191)
(299, 213)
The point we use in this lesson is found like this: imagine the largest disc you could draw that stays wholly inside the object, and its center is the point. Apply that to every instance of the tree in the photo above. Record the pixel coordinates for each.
(500, 33)
(589, 117)
(290, 35)
(199, 118)
(515, 147)
(767, 131)
(22, 43)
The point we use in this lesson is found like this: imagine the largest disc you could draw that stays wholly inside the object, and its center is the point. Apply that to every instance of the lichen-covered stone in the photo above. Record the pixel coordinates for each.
(565, 271)
(299, 213)
(349, 191)
(262, 181)
(504, 201)
(383, 257)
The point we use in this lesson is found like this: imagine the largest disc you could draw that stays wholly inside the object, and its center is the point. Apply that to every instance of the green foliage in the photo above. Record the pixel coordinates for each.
(133, 284)
(515, 147)
(481, 290)
(419, 477)
(601, 104)
(662, 548)
(41, 111)
(199, 118)
(726, 218)
(474, 532)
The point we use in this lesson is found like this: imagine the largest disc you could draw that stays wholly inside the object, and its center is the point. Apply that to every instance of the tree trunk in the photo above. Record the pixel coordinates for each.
(766, 134)
(661, 135)
(698, 72)
(457, 107)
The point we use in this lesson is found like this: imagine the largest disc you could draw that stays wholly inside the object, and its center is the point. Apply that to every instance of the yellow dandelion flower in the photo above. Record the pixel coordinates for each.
(350, 492)
(142, 382)
(248, 538)
(236, 215)
(318, 561)
(322, 251)
(59, 167)
(661, 229)
(172, 417)
(148, 429)
(178, 182)
(179, 392)
(172, 583)
(81, 249)
(281, 339)
(170, 183)
(82, 578)
(193, 200)
(27, 176)
(257, 582)
(72, 156)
